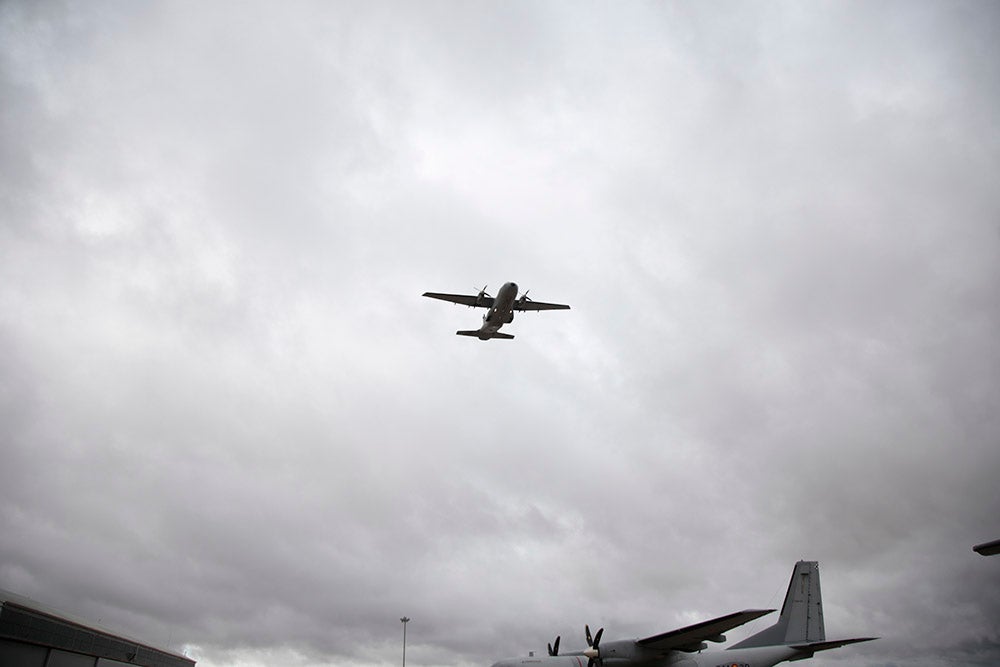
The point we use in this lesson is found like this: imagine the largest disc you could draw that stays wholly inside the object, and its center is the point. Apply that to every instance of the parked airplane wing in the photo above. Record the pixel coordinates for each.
(528, 304)
(483, 301)
(988, 548)
(691, 637)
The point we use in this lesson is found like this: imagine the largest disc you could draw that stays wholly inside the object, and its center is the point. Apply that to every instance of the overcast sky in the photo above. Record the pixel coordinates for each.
(232, 427)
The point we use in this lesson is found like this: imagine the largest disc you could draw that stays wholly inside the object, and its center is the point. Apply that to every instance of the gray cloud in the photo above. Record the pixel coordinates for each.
(231, 424)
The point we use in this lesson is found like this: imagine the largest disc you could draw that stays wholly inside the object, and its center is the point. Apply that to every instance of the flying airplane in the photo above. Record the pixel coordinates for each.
(798, 634)
(500, 310)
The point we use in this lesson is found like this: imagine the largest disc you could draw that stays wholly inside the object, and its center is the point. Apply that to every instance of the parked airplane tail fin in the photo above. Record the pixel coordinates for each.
(479, 334)
(801, 619)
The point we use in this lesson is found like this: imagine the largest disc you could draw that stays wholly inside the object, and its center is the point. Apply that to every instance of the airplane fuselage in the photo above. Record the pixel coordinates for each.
(501, 312)
(620, 654)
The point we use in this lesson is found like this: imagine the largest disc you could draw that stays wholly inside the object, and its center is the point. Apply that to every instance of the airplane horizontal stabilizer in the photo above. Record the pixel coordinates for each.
(478, 334)
(825, 646)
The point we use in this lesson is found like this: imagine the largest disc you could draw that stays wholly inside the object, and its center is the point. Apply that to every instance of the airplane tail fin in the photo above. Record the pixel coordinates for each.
(801, 619)
(800, 625)
(479, 334)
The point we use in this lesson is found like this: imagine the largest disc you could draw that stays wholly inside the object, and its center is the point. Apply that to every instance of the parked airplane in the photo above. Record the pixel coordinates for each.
(500, 309)
(798, 634)
(988, 548)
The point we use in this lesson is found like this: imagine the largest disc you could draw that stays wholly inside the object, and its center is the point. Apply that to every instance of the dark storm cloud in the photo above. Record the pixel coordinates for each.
(230, 423)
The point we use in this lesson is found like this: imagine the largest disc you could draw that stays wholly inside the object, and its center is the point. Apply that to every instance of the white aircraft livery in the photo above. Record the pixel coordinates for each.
(500, 310)
(798, 634)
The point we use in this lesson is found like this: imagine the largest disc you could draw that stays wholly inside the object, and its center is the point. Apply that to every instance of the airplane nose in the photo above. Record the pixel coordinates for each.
(514, 285)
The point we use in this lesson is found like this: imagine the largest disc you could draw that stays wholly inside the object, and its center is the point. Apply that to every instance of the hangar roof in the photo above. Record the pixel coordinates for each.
(25, 620)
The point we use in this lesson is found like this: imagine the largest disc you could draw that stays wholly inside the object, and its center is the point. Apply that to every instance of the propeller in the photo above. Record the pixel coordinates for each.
(482, 293)
(524, 297)
(593, 651)
(554, 648)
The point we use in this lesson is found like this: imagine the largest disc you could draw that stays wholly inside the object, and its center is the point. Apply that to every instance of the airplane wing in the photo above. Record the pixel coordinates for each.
(691, 637)
(464, 299)
(988, 548)
(528, 304)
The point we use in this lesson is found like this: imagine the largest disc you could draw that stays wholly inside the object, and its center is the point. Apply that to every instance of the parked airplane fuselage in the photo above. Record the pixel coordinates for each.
(765, 656)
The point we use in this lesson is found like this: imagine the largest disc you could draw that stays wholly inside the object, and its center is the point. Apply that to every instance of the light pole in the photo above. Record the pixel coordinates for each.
(404, 621)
